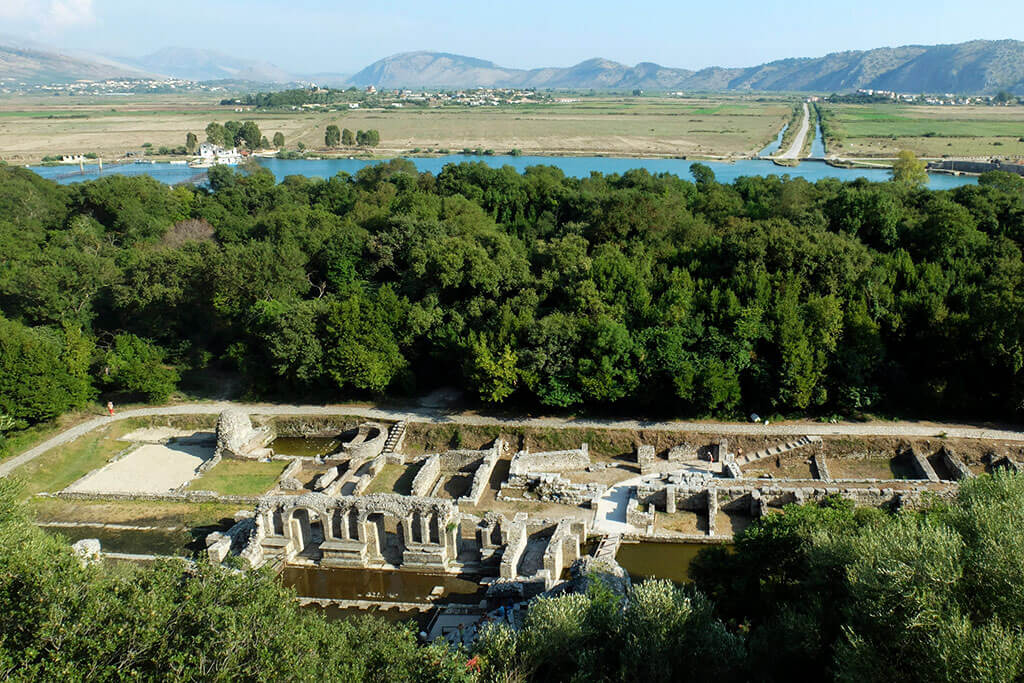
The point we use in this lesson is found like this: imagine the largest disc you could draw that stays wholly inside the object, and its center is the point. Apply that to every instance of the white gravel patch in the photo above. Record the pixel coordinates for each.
(152, 468)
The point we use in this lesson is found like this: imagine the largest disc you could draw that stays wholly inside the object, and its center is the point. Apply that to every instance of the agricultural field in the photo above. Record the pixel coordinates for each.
(882, 130)
(726, 126)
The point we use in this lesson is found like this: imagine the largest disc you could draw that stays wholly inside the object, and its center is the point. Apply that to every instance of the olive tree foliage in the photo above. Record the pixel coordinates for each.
(656, 632)
(62, 620)
(853, 594)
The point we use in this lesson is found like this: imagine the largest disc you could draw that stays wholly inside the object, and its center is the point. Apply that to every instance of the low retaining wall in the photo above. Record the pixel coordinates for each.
(430, 472)
(186, 496)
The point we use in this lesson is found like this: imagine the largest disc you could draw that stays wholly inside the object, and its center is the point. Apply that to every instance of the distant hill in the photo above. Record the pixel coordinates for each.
(30, 65)
(979, 66)
(209, 65)
(975, 67)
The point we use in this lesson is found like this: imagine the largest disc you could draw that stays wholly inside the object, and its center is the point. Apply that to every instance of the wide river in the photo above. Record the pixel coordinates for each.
(578, 167)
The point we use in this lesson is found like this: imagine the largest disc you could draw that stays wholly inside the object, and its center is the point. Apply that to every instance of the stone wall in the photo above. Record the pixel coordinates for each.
(956, 466)
(515, 544)
(645, 455)
(368, 442)
(482, 476)
(636, 517)
(430, 472)
(921, 465)
(196, 496)
(821, 466)
(682, 452)
(552, 488)
(754, 496)
(525, 463)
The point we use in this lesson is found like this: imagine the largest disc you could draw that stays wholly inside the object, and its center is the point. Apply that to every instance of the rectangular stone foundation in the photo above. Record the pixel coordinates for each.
(338, 553)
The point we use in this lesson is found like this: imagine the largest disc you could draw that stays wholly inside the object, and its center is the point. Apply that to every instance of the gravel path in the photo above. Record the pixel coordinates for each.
(440, 416)
(801, 135)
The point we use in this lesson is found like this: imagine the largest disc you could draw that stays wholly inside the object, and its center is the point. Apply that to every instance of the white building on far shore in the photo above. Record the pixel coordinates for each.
(212, 155)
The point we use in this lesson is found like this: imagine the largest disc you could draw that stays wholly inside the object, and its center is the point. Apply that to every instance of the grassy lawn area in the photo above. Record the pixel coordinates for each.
(395, 479)
(140, 513)
(240, 477)
(61, 466)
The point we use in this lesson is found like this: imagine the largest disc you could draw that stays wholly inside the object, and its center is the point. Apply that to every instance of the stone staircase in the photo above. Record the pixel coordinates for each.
(608, 548)
(396, 435)
(773, 451)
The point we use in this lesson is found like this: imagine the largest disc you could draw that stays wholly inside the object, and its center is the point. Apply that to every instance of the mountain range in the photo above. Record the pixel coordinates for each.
(974, 67)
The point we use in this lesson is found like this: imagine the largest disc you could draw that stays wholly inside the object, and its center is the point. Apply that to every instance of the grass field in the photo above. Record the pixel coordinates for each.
(394, 479)
(240, 477)
(882, 130)
(61, 466)
(727, 126)
(143, 513)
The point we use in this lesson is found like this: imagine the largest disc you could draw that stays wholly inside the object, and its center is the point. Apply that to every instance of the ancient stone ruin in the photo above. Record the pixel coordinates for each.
(540, 476)
(237, 438)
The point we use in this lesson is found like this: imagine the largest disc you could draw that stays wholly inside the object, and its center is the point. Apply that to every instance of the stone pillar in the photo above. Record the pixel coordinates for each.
(645, 458)
(425, 527)
(670, 499)
(756, 504)
(712, 510)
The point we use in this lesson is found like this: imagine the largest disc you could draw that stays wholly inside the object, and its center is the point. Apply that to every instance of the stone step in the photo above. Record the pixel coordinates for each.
(777, 450)
(395, 435)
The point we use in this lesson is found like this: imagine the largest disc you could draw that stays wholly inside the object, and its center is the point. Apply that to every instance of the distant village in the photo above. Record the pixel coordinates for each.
(945, 99)
(112, 87)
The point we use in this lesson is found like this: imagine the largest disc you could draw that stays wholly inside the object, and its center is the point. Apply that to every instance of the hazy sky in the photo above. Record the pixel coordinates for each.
(317, 35)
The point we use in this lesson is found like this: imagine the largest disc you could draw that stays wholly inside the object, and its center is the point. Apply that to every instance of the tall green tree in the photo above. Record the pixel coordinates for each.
(332, 136)
(908, 170)
(278, 139)
(348, 138)
(137, 366)
(217, 134)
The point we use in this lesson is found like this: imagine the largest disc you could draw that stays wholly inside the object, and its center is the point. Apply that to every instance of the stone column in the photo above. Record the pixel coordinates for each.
(670, 499)
(425, 526)
(712, 509)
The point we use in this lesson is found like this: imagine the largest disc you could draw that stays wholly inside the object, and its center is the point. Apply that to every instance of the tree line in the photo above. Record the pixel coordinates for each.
(639, 293)
(333, 136)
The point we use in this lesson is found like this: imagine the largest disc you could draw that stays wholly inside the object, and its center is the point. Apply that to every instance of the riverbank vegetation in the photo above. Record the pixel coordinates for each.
(634, 293)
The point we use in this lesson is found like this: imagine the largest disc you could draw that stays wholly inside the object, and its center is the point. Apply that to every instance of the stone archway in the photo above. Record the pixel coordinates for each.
(387, 539)
(305, 528)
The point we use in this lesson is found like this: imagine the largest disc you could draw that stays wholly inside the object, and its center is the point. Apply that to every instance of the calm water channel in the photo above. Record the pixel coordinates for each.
(307, 447)
(133, 541)
(578, 167)
(375, 584)
(658, 560)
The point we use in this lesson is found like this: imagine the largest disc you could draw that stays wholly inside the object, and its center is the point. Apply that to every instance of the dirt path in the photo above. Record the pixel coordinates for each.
(441, 416)
(801, 135)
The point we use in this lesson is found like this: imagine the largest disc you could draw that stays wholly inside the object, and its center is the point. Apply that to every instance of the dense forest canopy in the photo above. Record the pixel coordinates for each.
(639, 292)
